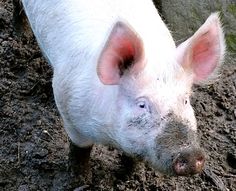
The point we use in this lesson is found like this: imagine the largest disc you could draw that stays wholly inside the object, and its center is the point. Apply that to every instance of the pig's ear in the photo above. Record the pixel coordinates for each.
(122, 52)
(203, 52)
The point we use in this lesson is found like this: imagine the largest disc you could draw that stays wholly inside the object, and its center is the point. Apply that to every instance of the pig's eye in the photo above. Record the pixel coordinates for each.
(186, 101)
(142, 103)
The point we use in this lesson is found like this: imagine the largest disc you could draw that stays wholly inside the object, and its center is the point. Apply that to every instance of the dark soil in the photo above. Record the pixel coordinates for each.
(34, 147)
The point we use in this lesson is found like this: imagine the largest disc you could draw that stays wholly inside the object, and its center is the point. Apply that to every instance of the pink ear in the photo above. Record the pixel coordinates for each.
(122, 51)
(203, 52)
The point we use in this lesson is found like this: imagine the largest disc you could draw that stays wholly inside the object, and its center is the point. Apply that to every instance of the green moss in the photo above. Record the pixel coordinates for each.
(232, 9)
(231, 42)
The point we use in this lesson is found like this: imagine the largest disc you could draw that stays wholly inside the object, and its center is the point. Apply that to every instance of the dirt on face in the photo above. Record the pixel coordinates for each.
(34, 148)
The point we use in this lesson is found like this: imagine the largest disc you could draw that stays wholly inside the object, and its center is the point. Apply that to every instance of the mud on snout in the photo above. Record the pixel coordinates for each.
(177, 149)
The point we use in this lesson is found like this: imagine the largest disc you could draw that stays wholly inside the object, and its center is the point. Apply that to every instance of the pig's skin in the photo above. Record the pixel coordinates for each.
(135, 110)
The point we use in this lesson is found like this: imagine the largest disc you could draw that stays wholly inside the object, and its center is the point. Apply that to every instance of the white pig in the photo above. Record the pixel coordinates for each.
(120, 80)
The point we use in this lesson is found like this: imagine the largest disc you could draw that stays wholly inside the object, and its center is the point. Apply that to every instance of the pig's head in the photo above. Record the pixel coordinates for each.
(154, 119)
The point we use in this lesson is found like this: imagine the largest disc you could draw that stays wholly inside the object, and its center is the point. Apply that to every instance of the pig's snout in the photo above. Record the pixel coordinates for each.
(178, 149)
(189, 162)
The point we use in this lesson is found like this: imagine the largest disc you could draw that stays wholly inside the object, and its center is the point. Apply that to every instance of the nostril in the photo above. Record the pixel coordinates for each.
(199, 161)
(189, 162)
(199, 164)
(180, 166)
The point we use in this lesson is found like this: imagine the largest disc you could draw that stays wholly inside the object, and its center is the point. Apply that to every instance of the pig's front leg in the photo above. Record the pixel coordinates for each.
(79, 158)
(20, 22)
(79, 155)
(128, 166)
(79, 163)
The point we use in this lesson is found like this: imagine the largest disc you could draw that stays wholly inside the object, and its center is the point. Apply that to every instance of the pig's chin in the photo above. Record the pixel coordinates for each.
(164, 166)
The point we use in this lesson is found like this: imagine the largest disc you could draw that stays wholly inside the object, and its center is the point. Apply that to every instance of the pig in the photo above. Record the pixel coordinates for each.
(120, 80)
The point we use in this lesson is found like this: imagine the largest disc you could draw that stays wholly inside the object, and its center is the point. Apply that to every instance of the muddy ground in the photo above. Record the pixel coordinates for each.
(34, 147)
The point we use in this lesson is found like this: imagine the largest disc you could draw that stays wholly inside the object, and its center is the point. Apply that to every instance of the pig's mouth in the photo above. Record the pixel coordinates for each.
(186, 162)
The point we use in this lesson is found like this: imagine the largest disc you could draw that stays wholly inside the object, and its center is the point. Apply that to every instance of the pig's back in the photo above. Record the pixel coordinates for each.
(74, 31)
